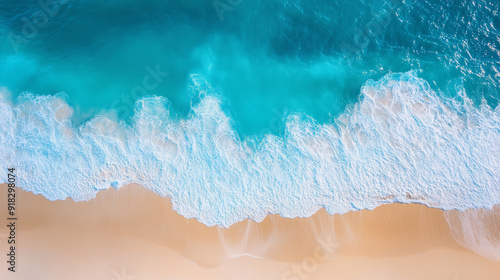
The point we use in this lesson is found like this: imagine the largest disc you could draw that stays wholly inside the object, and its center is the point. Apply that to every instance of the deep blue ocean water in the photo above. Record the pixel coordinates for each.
(247, 73)
(269, 57)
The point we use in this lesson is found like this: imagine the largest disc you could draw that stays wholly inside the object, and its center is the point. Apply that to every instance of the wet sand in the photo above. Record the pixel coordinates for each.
(133, 233)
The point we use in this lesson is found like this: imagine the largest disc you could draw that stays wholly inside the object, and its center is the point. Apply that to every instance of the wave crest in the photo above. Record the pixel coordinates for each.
(400, 143)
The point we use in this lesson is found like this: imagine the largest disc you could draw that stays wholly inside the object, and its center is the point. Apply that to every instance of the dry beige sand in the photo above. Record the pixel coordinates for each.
(133, 233)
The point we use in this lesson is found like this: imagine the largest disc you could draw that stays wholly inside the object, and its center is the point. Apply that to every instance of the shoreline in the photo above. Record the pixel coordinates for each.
(139, 223)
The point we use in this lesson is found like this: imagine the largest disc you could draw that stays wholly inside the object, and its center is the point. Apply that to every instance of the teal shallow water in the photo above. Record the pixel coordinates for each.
(265, 58)
(261, 107)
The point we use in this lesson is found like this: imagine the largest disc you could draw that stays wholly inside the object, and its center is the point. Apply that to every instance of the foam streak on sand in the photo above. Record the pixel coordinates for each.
(400, 143)
(136, 231)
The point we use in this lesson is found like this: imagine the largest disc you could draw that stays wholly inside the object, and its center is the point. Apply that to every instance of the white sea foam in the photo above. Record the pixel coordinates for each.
(400, 143)
(478, 230)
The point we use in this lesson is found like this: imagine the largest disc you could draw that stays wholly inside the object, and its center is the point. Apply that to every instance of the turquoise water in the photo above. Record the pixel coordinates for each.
(270, 57)
(247, 108)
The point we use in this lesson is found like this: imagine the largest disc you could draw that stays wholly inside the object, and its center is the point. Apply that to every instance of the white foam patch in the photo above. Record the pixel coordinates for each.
(478, 230)
(400, 143)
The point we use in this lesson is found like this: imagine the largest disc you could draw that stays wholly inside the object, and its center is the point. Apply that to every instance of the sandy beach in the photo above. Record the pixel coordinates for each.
(132, 233)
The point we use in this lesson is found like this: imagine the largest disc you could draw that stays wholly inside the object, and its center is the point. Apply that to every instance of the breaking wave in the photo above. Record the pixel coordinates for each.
(402, 142)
